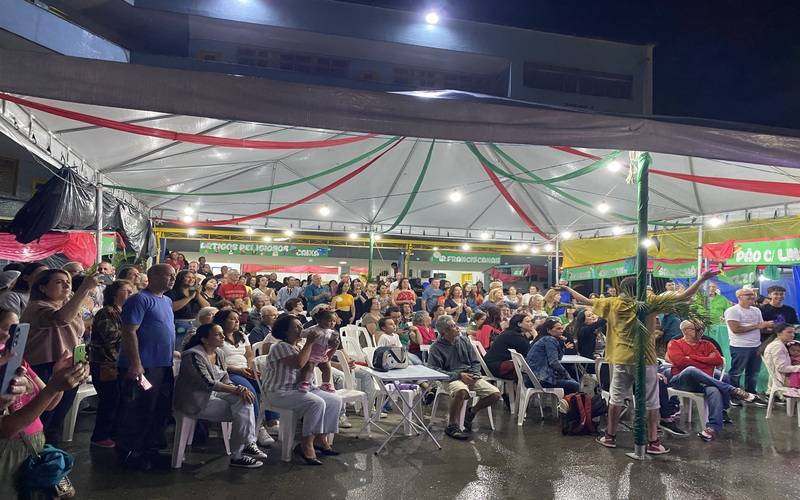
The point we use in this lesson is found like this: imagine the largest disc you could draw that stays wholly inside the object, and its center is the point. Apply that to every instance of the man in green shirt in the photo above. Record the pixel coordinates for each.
(717, 303)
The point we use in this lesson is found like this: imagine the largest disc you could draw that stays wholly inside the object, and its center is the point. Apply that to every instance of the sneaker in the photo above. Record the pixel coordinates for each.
(383, 415)
(304, 387)
(274, 430)
(454, 432)
(469, 416)
(328, 388)
(742, 395)
(736, 403)
(608, 441)
(563, 406)
(264, 439)
(757, 401)
(656, 448)
(672, 427)
(428, 398)
(706, 434)
(252, 450)
(726, 419)
(246, 462)
(344, 423)
(105, 443)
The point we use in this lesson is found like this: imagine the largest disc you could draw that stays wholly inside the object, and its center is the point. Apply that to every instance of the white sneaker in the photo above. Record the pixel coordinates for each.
(274, 429)
(264, 439)
(344, 423)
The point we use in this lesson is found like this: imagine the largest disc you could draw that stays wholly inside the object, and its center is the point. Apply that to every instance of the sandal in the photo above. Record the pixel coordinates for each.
(706, 434)
(608, 440)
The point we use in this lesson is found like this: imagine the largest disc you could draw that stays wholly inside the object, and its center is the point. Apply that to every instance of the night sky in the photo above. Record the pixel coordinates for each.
(725, 60)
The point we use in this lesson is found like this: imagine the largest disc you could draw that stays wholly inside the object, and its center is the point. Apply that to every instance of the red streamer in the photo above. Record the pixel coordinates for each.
(208, 140)
(511, 201)
(749, 185)
(576, 152)
(276, 210)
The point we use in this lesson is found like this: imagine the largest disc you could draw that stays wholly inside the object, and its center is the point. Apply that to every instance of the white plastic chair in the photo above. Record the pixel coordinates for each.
(441, 394)
(792, 401)
(505, 386)
(257, 348)
(86, 390)
(288, 423)
(349, 393)
(696, 399)
(521, 367)
(349, 331)
(184, 433)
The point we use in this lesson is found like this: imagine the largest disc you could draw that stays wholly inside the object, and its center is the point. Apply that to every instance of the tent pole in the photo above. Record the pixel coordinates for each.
(558, 266)
(98, 219)
(406, 258)
(700, 249)
(371, 252)
(640, 418)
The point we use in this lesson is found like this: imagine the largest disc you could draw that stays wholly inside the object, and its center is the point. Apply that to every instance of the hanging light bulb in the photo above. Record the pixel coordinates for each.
(288, 233)
(249, 230)
(616, 230)
(603, 207)
(466, 247)
(353, 236)
(266, 239)
(534, 249)
(614, 166)
(188, 210)
(715, 221)
(647, 242)
(485, 236)
(324, 210)
(191, 232)
(188, 219)
(549, 247)
(565, 235)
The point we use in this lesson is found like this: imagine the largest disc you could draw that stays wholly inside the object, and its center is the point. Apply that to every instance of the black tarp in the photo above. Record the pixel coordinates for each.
(67, 202)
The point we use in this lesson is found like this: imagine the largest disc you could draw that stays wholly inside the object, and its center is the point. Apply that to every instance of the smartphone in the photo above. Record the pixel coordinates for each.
(106, 279)
(18, 337)
(79, 354)
(144, 383)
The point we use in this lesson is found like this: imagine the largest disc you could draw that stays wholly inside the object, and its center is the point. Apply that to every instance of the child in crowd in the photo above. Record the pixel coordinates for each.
(793, 379)
(321, 352)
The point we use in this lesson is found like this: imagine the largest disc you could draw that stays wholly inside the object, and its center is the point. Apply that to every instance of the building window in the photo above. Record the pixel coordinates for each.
(9, 168)
(577, 81)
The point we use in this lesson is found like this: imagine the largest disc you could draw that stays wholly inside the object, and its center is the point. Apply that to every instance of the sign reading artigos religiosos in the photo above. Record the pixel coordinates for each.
(266, 249)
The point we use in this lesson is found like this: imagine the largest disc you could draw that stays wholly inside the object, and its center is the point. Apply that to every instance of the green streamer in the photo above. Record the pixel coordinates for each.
(264, 188)
(415, 190)
(535, 179)
(566, 195)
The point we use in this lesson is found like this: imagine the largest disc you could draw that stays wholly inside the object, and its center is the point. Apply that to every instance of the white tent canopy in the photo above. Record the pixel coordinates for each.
(376, 197)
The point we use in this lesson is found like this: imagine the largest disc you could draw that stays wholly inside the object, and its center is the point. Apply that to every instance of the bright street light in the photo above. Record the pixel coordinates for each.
(456, 196)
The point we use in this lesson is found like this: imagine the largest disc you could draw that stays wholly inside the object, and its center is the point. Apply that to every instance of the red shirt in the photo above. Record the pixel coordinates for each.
(428, 337)
(484, 335)
(232, 291)
(702, 355)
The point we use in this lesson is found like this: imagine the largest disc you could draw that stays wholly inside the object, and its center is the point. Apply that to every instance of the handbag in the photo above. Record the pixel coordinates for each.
(389, 358)
(46, 471)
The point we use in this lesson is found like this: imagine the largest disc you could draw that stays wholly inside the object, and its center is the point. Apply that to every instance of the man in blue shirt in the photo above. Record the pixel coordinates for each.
(145, 371)
(431, 294)
(315, 293)
(291, 291)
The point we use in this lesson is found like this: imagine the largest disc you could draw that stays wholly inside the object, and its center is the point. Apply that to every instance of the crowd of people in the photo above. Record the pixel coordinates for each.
(142, 327)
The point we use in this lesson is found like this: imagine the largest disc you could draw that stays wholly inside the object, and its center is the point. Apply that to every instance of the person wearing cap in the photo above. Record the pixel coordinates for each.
(745, 323)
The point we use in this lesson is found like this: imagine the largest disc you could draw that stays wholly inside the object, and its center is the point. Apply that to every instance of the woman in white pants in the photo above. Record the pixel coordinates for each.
(203, 389)
(318, 409)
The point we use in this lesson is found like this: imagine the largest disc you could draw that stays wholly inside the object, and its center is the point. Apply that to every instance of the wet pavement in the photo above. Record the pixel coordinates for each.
(753, 458)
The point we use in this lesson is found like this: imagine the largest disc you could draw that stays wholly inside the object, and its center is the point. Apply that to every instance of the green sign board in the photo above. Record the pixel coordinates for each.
(266, 249)
(666, 270)
(600, 271)
(465, 258)
(766, 252)
(108, 245)
(744, 275)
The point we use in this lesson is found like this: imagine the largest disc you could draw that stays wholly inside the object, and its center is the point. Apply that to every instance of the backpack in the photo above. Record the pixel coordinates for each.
(389, 358)
(577, 420)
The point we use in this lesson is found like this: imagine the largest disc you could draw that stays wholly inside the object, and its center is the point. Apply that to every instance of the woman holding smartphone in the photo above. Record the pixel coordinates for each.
(22, 428)
(56, 330)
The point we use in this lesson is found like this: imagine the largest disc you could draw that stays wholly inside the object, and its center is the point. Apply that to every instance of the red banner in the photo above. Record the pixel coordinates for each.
(79, 247)
(719, 252)
(171, 135)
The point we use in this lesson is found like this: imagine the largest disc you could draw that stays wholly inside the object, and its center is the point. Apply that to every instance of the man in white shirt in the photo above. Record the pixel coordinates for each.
(396, 283)
(744, 322)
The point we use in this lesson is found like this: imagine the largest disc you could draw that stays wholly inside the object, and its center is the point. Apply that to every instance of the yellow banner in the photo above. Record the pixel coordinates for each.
(674, 244)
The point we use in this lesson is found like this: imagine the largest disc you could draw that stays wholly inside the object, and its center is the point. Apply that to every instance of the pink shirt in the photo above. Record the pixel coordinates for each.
(36, 425)
(49, 337)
